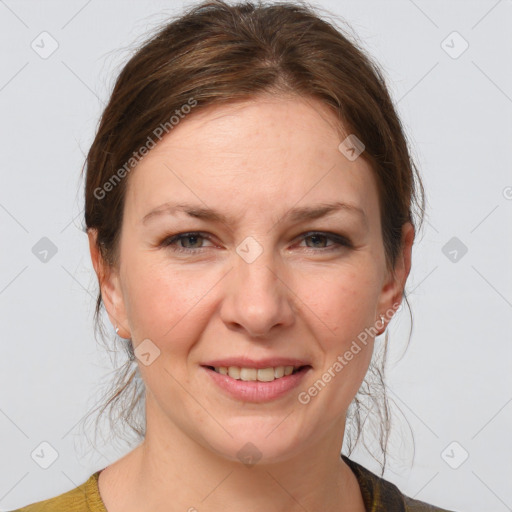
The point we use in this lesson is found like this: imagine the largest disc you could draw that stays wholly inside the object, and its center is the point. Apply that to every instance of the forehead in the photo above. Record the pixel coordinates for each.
(268, 153)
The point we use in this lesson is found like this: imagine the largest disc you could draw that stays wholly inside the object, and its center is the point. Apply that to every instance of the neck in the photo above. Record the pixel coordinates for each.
(171, 471)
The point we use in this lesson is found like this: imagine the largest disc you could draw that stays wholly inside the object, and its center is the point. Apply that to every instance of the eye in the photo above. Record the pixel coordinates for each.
(192, 242)
(188, 238)
(320, 238)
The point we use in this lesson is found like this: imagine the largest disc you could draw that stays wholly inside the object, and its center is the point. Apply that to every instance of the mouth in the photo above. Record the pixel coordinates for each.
(248, 374)
(257, 381)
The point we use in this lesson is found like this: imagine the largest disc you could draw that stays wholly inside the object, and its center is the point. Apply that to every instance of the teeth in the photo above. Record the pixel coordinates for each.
(248, 373)
(279, 372)
(253, 374)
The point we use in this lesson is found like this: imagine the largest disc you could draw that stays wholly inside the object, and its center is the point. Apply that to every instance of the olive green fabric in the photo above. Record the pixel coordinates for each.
(379, 495)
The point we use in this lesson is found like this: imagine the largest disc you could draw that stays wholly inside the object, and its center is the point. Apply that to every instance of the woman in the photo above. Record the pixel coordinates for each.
(249, 199)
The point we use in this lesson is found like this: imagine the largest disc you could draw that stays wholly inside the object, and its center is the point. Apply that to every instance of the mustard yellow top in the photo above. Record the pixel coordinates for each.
(84, 498)
(378, 494)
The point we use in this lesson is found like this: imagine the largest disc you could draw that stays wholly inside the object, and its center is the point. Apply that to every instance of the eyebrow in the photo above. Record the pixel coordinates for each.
(295, 214)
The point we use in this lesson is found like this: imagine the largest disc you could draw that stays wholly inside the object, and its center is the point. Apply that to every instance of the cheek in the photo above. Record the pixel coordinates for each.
(342, 307)
(343, 300)
(162, 301)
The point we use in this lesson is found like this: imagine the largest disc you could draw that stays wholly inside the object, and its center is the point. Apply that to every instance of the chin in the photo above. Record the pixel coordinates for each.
(252, 445)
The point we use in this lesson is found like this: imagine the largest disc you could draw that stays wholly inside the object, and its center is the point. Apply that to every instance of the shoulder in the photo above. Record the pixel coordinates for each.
(380, 495)
(83, 498)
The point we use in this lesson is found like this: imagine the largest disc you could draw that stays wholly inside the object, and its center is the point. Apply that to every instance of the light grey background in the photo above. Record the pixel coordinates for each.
(453, 384)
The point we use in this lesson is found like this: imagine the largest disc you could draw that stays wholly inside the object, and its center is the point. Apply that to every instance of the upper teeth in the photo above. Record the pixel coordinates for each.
(261, 374)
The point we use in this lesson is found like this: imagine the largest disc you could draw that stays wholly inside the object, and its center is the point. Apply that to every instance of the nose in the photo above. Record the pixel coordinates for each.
(258, 298)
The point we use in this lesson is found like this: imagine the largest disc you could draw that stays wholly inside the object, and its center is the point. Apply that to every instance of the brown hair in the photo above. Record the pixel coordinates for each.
(217, 53)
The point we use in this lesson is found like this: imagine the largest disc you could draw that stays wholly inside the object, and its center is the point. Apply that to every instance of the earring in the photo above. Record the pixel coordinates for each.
(382, 323)
(117, 329)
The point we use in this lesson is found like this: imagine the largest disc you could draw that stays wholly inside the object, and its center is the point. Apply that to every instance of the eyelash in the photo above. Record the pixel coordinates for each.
(339, 241)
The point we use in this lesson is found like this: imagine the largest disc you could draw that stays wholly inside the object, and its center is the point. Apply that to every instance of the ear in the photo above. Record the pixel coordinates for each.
(392, 290)
(110, 286)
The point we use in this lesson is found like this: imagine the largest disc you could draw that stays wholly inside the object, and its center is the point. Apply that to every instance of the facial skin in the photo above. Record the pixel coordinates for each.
(302, 297)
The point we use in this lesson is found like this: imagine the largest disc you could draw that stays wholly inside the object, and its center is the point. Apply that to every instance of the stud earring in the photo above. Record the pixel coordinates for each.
(382, 323)
(117, 329)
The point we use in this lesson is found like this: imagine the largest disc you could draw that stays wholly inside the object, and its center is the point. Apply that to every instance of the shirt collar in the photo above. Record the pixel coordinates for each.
(378, 494)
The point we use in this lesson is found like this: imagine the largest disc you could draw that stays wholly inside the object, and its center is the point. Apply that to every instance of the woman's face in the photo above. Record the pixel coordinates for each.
(259, 280)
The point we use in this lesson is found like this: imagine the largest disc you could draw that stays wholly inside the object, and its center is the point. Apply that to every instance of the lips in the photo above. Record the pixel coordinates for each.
(239, 383)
